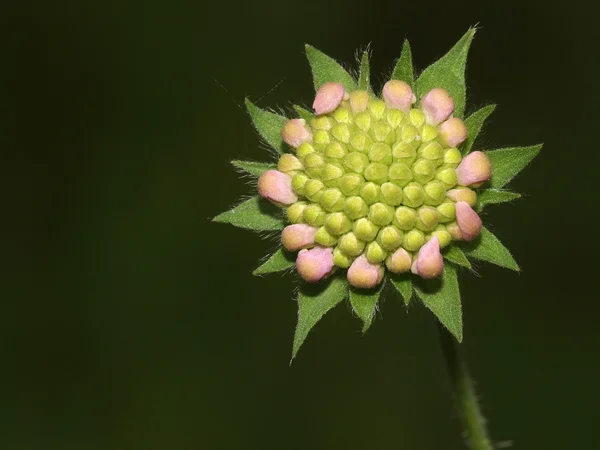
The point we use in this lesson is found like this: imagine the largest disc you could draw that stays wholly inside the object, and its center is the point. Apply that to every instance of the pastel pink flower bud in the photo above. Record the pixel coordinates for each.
(453, 131)
(328, 98)
(363, 274)
(298, 236)
(474, 169)
(295, 132)
(468, 221)
(430, 262)
(277, 188)
(315, 264)
(398, 94)
(437, 106)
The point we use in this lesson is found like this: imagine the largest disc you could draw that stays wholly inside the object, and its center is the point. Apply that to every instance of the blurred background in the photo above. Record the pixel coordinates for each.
(129, 321)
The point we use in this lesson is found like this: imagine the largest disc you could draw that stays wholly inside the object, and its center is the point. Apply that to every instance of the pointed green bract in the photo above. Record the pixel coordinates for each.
(488, 247)
(449, 73)
(279, 261)
(403, 284)
(508, 162)
(404, 70)
(253, 214)
(364, 304)
(442, 297)
(455, 255)
(494, 196)
(253, 167)
(304, 113)
(313, 302)
(326, 70)
(268, 125)
(474, 125)
(364, 76)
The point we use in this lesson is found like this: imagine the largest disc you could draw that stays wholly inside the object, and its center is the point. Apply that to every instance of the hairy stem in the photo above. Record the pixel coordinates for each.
(473, 420)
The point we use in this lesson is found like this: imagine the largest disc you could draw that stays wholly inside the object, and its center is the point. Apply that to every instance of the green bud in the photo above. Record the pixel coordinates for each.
(404, 153)
(314, 215)
(448, 177)
(332, 200)
(360, 141)
(442, 234)
(413, 240)
(417, 117)
(423, 170)
(314, 160)
(400, 174)
(381, 153)
(324, 238)
(447, 211)
(321, 123)
(289, 164)
(356, 162)
(414, 195)
(394, 117)
(355, 207)
(304, 150)
(341, 132)
(452, 157)
(405, 218)
(377, 108)
(391, 194)
(381, 214)
(432, 151)
(365, 230)
(340, 259)
(350, 183)
(298, 182)
(342, 115)
(363, 121)
(428, 133)
(370, 193)
(374, 253)
(321, 137)
(331, 172)
(295, 212)
(382, 132)
(376, 172)
(390, 238)
(335, 150)
(313, 189)
(454, 231)
(338, 223)
(350, 244)
(435, 193)
(408, 134)
(427, 218)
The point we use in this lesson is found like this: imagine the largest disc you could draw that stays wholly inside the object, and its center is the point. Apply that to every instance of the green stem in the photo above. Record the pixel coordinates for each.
(473, 420)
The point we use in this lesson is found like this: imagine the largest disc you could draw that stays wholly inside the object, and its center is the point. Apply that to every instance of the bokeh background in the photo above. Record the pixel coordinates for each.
(129, 321)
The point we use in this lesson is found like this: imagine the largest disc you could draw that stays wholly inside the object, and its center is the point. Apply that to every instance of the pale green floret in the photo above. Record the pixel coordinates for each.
(409, 135)
(363, 121)
(375, 253)
(377, 108)
(356, 162)
(423, 171)
(405, 218)
(370, 193)
(325, 238)
(381, 153)
(381, 214)
(351, 245)
(355, 207)
(428, 133)
(417, 117)
(394, 117)
(332, 200)
(414, 195)
(365, 230)
(298, 182)
(390, 237)
(341, 132)
(338, 223)
(400, 174)
(314, 215)
(295, 212)
(391, 194)
(435, 193)
(447, 211)
(427, 218)
(442, 235)
(413, 240)
(432, 151)
(335, 150)
(331, 173)
(377, 173)
(321, 123)
(447, 176)
(304, 150)
(341, 259)
(452, 157)
(342, 115)
(360, 141)
(351, 183)
(404, 153)
(313, 189)
(321, 137)
(382, 132)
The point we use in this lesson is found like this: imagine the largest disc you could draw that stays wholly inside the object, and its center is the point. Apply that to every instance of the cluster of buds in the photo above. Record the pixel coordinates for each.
(376, 183)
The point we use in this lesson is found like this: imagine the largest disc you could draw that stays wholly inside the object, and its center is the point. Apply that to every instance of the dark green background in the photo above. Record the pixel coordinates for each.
(130, 321)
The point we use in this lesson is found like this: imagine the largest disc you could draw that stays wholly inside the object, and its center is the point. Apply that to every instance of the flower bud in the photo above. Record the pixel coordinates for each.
(313, 163)
(453, 132)
(313, 189)
(363, 274)
(337, 223)
(341, 132)
(468, 221)
(332, 200)
(325, 238)
(363, 121)
(314, 215)
(376, 172)
(321, 138)
(350, 183)
(432, 151)
(304, 150)
(423, 170)
(295, 132)
(360, 141)
(400, 174)
(437, 106)
(413, 240)
(390, 237)
(416, 117)
(428, 133)
(447, 176)
(295, 212)
(381, 153)
(359, 101)
(355, 207)
(462, 194)
(452, 157)
(340, 259)
(391, 194)
(435, 193)
(454, 231)
(298, 236)
(335, 150)
(381, 214)
(328, 98)
(399, 261)
(443, 236)
(430, 262)
(427, 218)
(447, 211)
(408, 134)
(405, 218)
(382, 132)
(377, 108)
(351, 245)
(342, 115)
(331, 173)
(276, 187)
(356, 162)
(365, 230)
(398, 94)
(289, 163)
(315, 264)
(298, 182)
(375, 253)
(322, 123)
(474, 169)
(370, 193)
(414, 195)
(394, 117)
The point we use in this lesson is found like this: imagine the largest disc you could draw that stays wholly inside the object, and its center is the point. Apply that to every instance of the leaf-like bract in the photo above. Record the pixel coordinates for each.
(403, 284)
(364, 304)
(455, 255)
(279, 261)
(508, 162)
(253, 167)
(474, 125)
(448, 73)
(304, 113)
(253, 214)
(494, 196)
(488, 247)
(326, 70)
(364, 76)
(268, 125)
(442, 297)
(404, 70)
(313, 302)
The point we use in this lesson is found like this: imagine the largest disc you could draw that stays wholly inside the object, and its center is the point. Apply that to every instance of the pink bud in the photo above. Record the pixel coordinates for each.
(277, 188)
(328, 98)
(437, 106)
(430, 262)
(474, 169)
(462, 194)
(362, 274)
(297, 236)
(453, 131)
(398, 94)
(315, 264)
(399, 261)
(468, 221)
(295, 132)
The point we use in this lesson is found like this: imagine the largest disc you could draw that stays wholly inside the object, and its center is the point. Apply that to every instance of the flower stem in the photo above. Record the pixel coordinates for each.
(473, 420)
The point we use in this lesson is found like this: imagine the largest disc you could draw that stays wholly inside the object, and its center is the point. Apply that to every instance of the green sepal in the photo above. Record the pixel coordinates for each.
(508, 162)
(253, 167)
(488, 247)
(253, 214)
(268, 125)
(304, 113)
(494, 196)
(442, 297)
(314, 301)
(454, 254)
(364, 75)
(404, 286)
(404, 69)
(364, 303)
(279, 261)
(326, 69)
(474, 125)
(448, 73)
